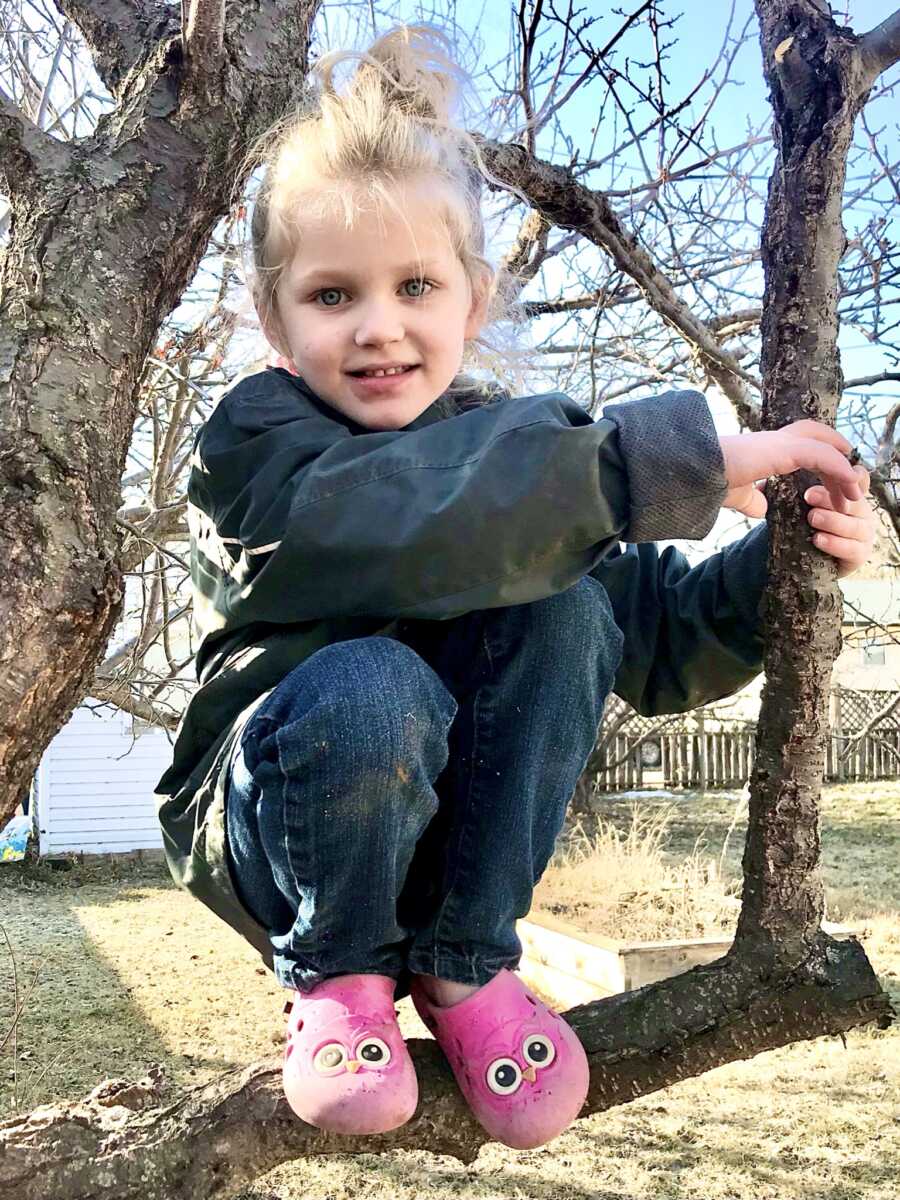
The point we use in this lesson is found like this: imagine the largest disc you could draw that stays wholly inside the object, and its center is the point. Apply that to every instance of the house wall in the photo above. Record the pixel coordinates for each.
(850, 671)
(854, 668)
(94, 786)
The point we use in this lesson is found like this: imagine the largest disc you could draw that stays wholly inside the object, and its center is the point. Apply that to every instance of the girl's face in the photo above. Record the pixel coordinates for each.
(354, 299)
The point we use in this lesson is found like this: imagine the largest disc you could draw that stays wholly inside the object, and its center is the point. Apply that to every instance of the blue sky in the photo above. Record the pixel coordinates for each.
(698, 35)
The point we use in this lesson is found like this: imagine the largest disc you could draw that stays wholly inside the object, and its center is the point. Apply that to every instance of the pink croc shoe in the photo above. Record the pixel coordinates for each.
(519, 1065)
(346, 1066)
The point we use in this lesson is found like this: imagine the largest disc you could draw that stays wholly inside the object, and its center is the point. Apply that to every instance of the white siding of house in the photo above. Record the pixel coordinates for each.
(95, 785)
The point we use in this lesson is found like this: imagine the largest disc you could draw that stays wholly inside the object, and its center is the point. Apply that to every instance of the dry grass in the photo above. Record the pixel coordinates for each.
(619, 882)
(131, 971)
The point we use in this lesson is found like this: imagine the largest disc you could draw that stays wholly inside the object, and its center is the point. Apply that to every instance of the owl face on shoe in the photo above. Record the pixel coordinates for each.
(344, 1047)
(518, 1058)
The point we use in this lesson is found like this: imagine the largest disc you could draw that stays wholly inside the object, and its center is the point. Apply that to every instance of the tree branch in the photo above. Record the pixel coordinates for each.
(868, 380)
(28, 156)
(215, 1139)
(123, 697)
(164, 525)
(879, 49)
(556, 193)
(120, 33)
(203, 35)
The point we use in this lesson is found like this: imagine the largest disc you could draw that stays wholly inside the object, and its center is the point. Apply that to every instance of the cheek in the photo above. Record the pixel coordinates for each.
(316, 347)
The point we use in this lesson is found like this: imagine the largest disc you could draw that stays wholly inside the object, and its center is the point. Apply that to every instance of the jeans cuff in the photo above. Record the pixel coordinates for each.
(299, 978)
(474, 969)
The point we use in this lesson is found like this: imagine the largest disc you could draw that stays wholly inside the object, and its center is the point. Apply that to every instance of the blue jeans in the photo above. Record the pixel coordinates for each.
(394, 800)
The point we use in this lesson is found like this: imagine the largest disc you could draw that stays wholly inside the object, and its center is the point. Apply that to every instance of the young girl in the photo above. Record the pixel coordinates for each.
(413, 603)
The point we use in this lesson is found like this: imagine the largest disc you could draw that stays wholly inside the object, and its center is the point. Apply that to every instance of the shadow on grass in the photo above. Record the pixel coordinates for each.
(104, 988)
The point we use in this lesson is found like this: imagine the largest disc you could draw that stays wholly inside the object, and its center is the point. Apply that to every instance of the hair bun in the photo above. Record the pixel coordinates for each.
(415, 67)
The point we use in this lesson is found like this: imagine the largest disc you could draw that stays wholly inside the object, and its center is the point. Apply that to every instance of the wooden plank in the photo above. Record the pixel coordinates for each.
(105, 806)
(105, 843)
(665, 746)
(704, 755)
(129, 786)
(564, 990)
(596, 966)
(647, 962)
(126, 823)
(575, 967)
(545, 920)
(103, 769)
(109, 748)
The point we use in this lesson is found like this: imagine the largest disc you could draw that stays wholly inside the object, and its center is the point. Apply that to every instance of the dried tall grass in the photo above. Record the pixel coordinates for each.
(623, 885)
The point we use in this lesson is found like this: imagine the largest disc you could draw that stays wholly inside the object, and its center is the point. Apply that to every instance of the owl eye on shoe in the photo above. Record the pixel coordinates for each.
(504, 1076)
(329, 1057)
(538, 1050)
(373, 1052)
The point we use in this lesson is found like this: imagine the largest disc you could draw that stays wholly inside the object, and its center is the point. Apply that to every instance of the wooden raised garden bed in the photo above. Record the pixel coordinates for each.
(572, 967)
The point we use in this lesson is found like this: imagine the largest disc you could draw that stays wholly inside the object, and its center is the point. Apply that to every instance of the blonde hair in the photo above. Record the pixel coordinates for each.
(392, 124)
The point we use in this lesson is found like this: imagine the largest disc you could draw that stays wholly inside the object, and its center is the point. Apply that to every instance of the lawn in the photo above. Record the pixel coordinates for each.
(125, 971)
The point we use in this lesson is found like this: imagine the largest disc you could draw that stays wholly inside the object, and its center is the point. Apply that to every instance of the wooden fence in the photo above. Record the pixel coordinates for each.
(724, 759)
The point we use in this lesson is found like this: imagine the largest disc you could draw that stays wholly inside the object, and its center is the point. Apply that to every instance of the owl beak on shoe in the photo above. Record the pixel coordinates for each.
(529, 1074)
(353, 1065)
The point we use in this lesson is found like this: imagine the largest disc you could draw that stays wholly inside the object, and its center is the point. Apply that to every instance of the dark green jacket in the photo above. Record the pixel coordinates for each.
(308, 529)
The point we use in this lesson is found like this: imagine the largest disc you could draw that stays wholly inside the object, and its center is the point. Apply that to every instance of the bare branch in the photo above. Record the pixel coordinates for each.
(203, 35)
(122, 696)
(868, 380)
(571, 205)
(28, 156)
(879, 49)
(218, 1137)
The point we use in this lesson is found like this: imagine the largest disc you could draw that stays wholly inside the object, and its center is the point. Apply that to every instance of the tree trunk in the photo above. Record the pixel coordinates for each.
(813, 70)
(106, 234)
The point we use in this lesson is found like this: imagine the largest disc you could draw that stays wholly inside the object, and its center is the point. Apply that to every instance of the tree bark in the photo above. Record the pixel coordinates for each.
(814, 71)
(106, 234)
(114, 1145)
(77, 327)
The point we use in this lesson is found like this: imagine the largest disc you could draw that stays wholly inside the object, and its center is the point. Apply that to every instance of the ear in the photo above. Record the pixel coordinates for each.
(478, 309)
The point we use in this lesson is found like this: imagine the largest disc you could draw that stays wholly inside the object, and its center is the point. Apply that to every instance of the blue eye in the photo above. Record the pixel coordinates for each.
(420, 283)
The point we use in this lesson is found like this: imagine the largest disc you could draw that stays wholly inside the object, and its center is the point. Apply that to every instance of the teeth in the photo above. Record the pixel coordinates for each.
(378, 374)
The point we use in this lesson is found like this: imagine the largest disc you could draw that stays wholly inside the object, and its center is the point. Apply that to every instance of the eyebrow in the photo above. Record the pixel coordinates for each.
(310, 277)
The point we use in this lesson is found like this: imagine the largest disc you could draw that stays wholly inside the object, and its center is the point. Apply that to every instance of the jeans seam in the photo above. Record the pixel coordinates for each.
(463, 827)
(284, 823)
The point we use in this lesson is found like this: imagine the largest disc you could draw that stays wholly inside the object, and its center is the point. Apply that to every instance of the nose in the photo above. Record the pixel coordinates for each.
(529, 1074)
(379, 324)
(353, 1065)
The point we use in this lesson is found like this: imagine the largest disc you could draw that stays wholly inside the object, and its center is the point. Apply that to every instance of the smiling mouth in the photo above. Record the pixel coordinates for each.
(382, 374)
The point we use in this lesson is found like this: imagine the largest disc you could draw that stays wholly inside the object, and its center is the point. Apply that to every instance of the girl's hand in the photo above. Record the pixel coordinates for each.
(847, 537)
(806, 445)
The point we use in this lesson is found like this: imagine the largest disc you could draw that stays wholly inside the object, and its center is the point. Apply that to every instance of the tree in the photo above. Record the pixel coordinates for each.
(784, 979)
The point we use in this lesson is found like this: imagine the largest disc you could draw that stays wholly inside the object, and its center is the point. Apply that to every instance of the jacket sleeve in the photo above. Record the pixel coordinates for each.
(501, 504)
(692, 635)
